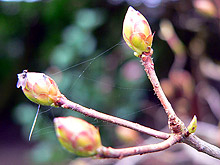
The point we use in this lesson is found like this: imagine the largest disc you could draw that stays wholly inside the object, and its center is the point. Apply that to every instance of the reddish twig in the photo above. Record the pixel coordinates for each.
(108, 152)
(149, 68)
(65, 103)
(175, 124)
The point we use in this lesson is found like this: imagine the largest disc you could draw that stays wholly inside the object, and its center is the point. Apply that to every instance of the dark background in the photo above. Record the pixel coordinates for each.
(58, 37)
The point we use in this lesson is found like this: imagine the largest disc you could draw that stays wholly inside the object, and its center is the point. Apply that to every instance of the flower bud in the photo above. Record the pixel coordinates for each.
(136, 32)
(77, 135)
(39, 88)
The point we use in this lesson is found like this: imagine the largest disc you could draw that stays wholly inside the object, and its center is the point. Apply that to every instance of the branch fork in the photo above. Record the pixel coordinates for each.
(177, 127)
(175, 124)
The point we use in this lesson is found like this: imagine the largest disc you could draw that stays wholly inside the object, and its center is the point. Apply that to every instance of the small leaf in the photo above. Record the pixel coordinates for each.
(193, 125)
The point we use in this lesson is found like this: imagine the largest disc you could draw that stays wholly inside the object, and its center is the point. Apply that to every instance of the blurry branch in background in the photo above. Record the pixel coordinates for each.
(211, 70)
(211, 97)
(210, 94)
(207, 8)
(168, 34)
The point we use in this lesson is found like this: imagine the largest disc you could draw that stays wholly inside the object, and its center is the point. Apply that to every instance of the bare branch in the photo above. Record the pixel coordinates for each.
(65, 103)
(175, 124)
(202, 146)
(107, 152)
(149, 68)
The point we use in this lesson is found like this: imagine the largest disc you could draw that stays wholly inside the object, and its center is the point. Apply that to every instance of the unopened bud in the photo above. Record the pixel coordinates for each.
(137, 32)
(77, 135)
(39, 88)
(193, 125)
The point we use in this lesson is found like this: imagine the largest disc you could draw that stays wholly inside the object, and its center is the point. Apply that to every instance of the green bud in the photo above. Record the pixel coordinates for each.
(39, 88)
(77, 136)
(193, 125)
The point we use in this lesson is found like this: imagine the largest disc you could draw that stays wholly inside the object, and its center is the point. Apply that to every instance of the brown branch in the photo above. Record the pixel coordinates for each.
(108, 152)
(65, 103)
(149, 68)
(202, 146)
(175, 124)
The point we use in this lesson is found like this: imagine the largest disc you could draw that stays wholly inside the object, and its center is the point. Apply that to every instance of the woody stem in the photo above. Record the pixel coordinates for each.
(175, 124)
(65, 103)
(108, 152)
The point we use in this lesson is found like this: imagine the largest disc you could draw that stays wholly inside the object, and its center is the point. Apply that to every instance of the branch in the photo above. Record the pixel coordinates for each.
(149, 68)
(107, 152)
(175, 124)
(65, 103)
(202, 146)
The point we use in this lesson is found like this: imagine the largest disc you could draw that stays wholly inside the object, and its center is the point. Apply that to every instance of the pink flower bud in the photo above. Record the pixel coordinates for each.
(77, 135)
(136, 32)
(39, 88)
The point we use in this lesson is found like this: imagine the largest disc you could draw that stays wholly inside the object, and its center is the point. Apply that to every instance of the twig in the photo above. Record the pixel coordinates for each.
(65, 103)
(107, 152)
(149, 68)
(202, 146)
(175, 124)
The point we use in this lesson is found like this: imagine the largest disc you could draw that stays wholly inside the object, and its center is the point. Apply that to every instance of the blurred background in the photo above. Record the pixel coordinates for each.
(79, 44)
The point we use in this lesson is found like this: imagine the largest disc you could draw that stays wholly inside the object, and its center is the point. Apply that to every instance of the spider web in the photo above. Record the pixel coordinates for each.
(82, 77)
